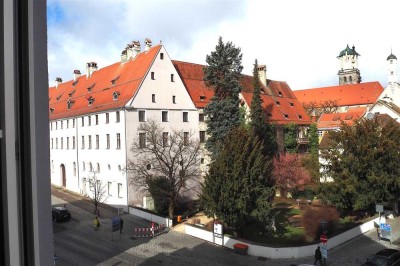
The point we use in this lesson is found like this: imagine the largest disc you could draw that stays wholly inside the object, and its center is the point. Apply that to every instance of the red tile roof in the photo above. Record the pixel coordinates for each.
(345, 95)
(334, 120)
(279, 102)
(127, 78)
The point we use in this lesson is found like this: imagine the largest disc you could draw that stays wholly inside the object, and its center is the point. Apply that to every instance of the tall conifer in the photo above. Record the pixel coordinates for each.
(222, 74)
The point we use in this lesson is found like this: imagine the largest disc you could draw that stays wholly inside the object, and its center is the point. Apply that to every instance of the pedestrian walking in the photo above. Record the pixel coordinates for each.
(318, 256)
(121, 225)
(378, 231)
(96, 223)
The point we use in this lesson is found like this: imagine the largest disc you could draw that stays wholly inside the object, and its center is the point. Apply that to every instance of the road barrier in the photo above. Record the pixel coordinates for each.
(149, 231)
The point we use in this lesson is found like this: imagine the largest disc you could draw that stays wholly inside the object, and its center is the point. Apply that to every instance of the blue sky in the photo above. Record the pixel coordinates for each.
(297, 40)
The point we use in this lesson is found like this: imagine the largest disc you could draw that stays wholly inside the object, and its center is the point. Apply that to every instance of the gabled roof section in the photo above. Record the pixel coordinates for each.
(344, 95)
(334, 120)
(279, 102)
(99, 86)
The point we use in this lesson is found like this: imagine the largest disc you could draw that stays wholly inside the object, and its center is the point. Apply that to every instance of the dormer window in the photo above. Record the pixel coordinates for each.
(51, 110)
(114, 80)
(75, 82)
(280, 93)
(300, 116)
(277, 103)
(58, 97)
(202, 98)
(286, 115)
(90, 100)
(70, 103)
(71, 93)
(115, 95)
(90, 88)
(291, 104)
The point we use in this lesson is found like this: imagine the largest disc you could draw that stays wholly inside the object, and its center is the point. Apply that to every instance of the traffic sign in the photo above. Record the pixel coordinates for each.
(323, 238)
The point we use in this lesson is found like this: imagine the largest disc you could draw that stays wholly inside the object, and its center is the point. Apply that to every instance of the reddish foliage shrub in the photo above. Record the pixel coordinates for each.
(312, 217)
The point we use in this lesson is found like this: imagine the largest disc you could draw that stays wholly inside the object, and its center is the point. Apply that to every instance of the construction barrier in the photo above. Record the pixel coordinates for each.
(149, 232)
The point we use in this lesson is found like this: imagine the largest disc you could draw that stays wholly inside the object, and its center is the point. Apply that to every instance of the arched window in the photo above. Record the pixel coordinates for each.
(119, 168)
(350, 79)
(74, 169)
(83, 166)
(90, 167)
(98, 168)
(344, 79)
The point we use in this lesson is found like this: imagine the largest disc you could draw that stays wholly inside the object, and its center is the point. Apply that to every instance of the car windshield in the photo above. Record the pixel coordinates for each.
(379, 260)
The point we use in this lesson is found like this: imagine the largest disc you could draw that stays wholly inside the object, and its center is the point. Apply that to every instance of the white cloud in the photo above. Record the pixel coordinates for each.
(297, 40)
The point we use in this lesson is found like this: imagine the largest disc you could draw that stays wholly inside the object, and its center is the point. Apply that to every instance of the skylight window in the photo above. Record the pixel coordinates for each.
(114, 80)
(71, 93)
(115, 95)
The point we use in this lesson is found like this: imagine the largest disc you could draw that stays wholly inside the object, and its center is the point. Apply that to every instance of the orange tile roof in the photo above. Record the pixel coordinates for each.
(345, 95)
(334, 120)
(128, 76)
(276, 91)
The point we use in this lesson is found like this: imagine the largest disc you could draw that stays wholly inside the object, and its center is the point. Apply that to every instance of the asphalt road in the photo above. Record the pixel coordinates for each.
(77, 243)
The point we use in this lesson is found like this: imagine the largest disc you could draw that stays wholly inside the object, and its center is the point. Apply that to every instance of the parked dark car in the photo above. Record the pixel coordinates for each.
(60, 214)
(385, 257)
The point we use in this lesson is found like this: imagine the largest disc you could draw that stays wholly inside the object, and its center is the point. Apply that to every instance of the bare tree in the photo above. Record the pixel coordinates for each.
(99, 191)
(330, 106)
(174, 156)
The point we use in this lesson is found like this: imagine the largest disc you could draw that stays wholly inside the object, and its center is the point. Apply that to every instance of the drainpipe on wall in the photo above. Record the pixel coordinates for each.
(77, 152)
(126, 162)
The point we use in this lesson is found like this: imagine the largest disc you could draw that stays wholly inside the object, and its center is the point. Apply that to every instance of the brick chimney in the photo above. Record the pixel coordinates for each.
(58, 81)
(147, 43)
(262, 74)
(77, 74)
(91, 67)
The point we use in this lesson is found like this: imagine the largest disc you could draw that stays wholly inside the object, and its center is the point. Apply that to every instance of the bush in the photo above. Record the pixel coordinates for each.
(158, 188)
(312, 217)
(306, 193)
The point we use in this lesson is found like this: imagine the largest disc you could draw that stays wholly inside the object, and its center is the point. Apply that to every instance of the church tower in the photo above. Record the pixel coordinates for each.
(392, 68)
(349, 73)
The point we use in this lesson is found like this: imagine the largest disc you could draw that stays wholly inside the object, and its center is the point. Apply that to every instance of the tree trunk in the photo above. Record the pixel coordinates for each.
(171, 210)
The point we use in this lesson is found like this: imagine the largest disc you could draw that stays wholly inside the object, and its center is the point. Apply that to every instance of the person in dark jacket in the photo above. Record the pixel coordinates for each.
(318, 256)
(121, 225)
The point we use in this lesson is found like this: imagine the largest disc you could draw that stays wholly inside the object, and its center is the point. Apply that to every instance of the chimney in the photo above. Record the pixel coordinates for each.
(132, 50)
(58, 81)
(77, 74)
(90, 68)
(147, 43)
(262, 74)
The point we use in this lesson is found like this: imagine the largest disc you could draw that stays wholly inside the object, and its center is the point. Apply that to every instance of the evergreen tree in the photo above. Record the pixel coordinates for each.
(311, 161)
(238, 188)
(364, 163)
(291, 137)
(222, 74)
(258, 122)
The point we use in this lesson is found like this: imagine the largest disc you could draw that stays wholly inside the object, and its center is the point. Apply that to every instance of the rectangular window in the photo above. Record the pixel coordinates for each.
(68, 123)
(67, 143)
(162, 56)
(56, 125)
(142, 140)
(117, 117)
(174, 99)
(62, 124)
(185, 116)
(118, 141)
(201, 117)
(108, 141)
(172, 77)
(202, 136)
(185, 138)
(52, 143)
(109, 188)
(83, 142)
(97, 141)
(142, 116)
(73, 123)
(164, 116)
(97, 119)
(83, 121)
(153, 98)
(90, 141)
(119, 190)
(165, 139)
(107, 118)
(56, 143)
(152, 75)
(89, 120)
(51, 126)
(62, 143)
(73, 143)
